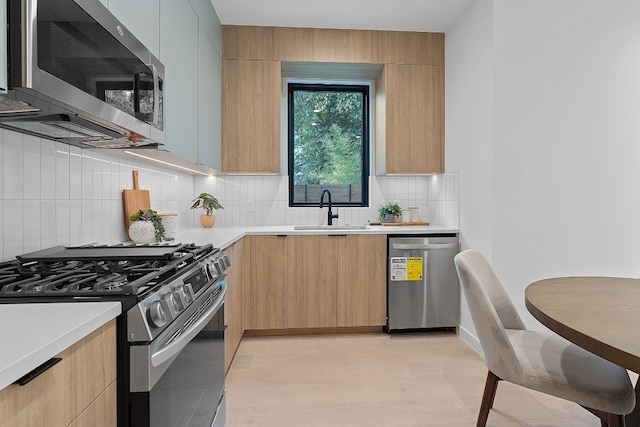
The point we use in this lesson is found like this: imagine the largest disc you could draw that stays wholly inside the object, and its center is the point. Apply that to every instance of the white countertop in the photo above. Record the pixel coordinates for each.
(222, 237)
(34, 333)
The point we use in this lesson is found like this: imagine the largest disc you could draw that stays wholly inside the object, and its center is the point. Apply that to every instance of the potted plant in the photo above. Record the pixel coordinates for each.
(389, 212)
(207, 202)
(146, 227)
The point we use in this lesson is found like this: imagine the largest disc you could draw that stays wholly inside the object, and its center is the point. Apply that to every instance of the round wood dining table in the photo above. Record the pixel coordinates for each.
(600, 314)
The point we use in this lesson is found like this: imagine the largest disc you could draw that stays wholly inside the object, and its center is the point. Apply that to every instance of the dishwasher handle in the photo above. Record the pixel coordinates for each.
(424, 247)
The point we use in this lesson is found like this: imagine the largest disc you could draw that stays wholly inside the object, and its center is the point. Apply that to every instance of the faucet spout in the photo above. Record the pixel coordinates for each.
(330, 214)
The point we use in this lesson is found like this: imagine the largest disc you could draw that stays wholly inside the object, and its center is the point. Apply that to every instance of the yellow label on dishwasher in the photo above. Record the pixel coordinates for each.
(406, 269)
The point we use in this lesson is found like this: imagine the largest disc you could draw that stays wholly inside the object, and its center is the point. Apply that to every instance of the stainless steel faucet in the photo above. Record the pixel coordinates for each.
(330, 215)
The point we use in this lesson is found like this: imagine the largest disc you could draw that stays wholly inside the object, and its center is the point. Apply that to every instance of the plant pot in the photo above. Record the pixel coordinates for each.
(388, 218)
(207, 221)
(142, 232)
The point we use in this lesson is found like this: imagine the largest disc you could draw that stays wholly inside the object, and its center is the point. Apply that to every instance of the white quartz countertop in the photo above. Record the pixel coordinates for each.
(34, 333)
(222, 237)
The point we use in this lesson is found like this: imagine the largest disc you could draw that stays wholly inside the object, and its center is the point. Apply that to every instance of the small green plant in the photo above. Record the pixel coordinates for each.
(150, 215)
(207, 202)
(389, 210)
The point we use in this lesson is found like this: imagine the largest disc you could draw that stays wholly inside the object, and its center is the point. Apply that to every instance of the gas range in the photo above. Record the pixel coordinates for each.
(172, 321)
(162, 280)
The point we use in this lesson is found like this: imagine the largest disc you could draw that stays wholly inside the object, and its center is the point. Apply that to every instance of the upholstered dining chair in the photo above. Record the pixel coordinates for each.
(536, 360)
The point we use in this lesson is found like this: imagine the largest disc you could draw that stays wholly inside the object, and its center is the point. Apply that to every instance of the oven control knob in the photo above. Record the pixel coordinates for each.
(226, 260)
(222, 266)
(169, 301)
(157, 314)
(212, 268)
(182, 296)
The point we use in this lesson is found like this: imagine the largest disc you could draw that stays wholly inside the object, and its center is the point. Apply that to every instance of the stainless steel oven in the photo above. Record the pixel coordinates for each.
(178, 378)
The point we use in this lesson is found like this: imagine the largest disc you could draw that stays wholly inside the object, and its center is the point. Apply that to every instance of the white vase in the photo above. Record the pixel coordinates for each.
(142, 232)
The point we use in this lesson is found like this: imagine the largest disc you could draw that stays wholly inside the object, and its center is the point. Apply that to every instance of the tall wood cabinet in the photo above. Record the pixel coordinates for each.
(250, 116)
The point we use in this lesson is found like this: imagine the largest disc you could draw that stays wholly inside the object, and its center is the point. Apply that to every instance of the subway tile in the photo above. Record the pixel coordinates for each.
(2, 132)
(63, 221)
(116, 189)
(12, 228)
(105, 178)
(12, 166)
(75, 173)
(31, 168)
(96, 171)
(86, 221)
(86, 165)
(31, 220)
(62, 171)
(47, 223)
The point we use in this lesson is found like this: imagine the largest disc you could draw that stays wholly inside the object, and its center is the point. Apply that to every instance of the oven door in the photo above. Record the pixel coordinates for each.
(178, 378)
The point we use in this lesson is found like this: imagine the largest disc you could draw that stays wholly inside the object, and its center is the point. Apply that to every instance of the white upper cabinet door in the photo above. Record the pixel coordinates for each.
(142, 18)
(179, 54)
(209, 102)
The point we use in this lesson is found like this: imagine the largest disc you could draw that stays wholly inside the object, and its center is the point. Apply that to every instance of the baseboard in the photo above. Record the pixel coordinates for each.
(471, 340)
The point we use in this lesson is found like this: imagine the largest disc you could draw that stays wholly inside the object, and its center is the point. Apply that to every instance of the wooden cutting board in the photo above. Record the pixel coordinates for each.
(134, 200)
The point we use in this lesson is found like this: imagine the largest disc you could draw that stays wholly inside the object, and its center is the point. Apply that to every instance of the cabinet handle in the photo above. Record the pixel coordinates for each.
(37, 371)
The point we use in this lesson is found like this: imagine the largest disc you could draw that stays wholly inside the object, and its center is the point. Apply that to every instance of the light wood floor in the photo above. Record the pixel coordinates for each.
(401, 380)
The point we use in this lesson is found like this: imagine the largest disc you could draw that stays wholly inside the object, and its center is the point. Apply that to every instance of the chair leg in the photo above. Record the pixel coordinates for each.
(616, 420)
(489, 394)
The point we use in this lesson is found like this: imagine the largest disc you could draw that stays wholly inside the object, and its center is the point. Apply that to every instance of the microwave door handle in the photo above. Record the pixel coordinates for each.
(173, 349)
(156, 94)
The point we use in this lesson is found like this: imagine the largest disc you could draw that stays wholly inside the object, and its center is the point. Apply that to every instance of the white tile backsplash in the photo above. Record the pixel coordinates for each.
(57, 194)
(271, 200)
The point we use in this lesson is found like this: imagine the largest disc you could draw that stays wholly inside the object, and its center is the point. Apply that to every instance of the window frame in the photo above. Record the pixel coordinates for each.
(365, 89)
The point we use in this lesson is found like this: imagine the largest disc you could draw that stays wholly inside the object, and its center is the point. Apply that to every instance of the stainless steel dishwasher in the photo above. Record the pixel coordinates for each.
(422, 283)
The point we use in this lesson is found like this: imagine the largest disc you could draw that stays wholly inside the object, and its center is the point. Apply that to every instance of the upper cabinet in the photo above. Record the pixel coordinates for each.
(179, 54)
(410, 119)
(186, 35)
(250, 116)
(409, 92)
(143, 20)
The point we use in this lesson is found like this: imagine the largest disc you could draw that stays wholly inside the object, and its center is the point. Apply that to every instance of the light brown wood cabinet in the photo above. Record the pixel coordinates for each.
(80, 390)
(311, 281)
(267, 283)
(234, 300)
(250, 116)
(246, 42)
(361, 282)
(323, 45)
(410, 136)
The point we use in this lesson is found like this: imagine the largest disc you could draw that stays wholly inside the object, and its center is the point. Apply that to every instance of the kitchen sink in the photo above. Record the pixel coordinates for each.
(330, 227)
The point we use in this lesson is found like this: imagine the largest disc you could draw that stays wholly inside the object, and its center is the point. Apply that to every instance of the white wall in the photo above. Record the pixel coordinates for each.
(469, 129)
(564, 195)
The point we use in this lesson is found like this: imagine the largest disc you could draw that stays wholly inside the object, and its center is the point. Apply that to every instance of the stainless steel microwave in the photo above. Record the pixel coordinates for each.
(75, 74)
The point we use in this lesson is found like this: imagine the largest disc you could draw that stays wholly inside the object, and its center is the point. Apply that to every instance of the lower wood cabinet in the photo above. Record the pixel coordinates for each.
(362, 278)
(311, 281)
(234, 301)
(78, 391)
(266, 306)
(316, 282)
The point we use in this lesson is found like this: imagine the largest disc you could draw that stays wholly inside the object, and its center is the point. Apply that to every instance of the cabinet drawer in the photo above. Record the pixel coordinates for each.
(61, 393)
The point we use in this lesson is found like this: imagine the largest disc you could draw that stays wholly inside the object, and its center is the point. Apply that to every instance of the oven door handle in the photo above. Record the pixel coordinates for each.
(173, 349)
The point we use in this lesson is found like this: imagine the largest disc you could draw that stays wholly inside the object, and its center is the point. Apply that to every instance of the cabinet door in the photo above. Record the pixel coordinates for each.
(179, 54)
(251, 116)
(362, 277)
(209, 101)
(311, 281)
(267, 282)
(414, 136)
(234, 301)
(61, 393)
(142, 19)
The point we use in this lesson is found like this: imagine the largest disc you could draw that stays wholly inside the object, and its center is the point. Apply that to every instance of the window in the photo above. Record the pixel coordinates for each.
(328, 143)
